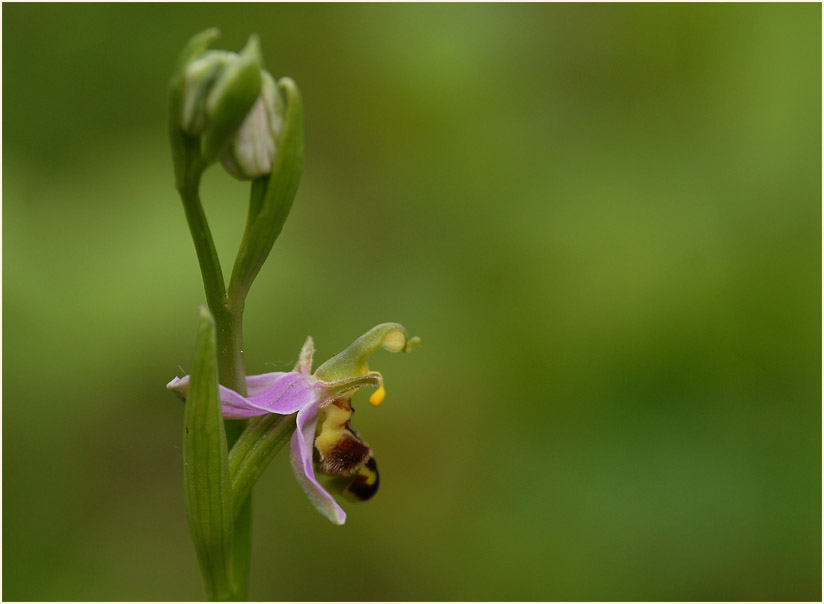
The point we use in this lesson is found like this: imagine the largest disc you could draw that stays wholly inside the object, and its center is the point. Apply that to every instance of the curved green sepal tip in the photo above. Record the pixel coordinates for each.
(196, 45)
(354, 360)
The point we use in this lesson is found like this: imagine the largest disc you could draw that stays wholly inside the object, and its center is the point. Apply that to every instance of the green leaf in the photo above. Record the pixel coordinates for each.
(206, 468)
(271, 198)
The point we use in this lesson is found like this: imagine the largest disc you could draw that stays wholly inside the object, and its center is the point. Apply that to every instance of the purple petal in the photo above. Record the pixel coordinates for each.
(301, 455)
(286, 394)
(255, 384)
(235, 406)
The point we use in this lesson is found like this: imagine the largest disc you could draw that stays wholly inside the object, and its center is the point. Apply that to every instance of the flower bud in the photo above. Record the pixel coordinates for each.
(213, 91)
(251, 152)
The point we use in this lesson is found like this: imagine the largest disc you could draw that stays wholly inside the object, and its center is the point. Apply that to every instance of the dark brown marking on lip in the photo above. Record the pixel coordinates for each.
(347, 456)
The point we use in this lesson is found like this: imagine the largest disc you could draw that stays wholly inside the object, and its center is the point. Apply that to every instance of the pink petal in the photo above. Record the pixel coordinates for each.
(286, 394)
(301, 455)
(255, 384)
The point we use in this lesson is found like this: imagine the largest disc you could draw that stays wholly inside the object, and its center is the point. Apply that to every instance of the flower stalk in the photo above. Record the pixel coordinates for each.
(227, 313)
(212, 96)
(226, 108)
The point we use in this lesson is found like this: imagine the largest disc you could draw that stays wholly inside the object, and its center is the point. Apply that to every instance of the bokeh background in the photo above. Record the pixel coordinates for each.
(604, 221)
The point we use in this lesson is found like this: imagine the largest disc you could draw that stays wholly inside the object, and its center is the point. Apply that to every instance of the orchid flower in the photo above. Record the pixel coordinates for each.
(324, 440)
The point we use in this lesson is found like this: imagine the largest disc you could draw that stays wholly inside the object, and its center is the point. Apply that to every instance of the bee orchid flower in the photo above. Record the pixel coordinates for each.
(324, 440)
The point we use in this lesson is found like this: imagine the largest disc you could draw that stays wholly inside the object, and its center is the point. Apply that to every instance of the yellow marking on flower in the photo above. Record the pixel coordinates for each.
(371, 477)
(332, 427)
(379, 394)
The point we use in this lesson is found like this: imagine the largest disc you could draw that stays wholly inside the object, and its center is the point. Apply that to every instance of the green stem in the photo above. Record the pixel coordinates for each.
(228, 314)
(263, 437)
(229, 335)
(270, 201)
(204, 245)
(230, 353)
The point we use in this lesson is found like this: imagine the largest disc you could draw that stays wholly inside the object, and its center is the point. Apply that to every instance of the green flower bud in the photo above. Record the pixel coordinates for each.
(212, 93)
(251, 153)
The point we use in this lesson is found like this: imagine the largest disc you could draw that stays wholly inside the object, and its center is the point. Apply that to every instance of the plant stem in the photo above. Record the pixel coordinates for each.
(230, 352)
(229, 335)
(207, 257)
(228, 314)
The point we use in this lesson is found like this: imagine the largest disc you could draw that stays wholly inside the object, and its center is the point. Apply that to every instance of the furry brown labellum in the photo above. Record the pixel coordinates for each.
(341, 452)
(343, 455)
(346, 456)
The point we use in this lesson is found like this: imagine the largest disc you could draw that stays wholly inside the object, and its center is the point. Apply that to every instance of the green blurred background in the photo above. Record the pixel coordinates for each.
(604, 221)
